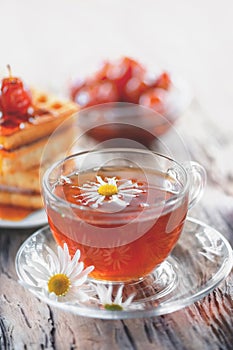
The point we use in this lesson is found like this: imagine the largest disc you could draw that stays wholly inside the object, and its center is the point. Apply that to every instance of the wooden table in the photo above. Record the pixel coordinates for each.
(27, 323)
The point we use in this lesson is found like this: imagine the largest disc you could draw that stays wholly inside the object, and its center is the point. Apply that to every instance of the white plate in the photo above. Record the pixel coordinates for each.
(35, 219)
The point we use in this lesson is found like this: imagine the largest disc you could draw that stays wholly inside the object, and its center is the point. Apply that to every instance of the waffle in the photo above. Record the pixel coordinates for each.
(29, 156)
(21, 149)
(25, 200)
(28, 180)
(54, 112)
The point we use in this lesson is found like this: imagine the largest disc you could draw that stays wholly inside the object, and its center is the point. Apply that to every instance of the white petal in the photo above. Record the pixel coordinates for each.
(128, 197)
(100, 199)
(128, 301)
(54, 257)
(100, 180)
(130, 191)
(34, 273)
(98, 202)
(92, 198)
(90, 194)
(28, 278)
(74, 269)
(51, 265)
(66, 252)
(81, 280)
(119, 201)
(118, 298)
(93, 188)
(102, 292)
(96, 199)
(112, 181)
(61, 257)
(82, 277)
(109, 295)
(89, 269)
(29, 286)
(76, 256)
(77, 295)
(90, 183)
(69, 265)
(40, 268)
(126, 184)
(82, 296)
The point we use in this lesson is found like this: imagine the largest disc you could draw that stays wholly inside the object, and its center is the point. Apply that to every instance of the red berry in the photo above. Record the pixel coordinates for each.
(14, 98)
(154, 98)
(76, 87)
(97, 93)
(11, 83)
(15, 101)
(163, 81)
(101, 73)
(122, 71)
(133, 89)
(107, 92)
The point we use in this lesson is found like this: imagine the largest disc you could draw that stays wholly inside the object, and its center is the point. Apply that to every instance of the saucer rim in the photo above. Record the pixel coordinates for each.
(168, 307)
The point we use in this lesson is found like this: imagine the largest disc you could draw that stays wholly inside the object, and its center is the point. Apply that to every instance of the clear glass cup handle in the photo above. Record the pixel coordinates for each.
(197, 178)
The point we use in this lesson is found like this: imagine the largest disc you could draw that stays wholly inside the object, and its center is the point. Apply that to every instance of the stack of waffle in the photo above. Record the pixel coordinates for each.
(22, 141)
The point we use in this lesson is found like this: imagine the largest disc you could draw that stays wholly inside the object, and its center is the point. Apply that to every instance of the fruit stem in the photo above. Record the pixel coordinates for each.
(9, 70)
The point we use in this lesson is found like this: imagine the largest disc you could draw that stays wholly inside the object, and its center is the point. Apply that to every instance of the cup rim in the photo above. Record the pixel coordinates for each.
(170, 201)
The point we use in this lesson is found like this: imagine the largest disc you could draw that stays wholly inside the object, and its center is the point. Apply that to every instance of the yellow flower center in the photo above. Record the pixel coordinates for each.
(59, 284)
(107, 190)
(113, 307)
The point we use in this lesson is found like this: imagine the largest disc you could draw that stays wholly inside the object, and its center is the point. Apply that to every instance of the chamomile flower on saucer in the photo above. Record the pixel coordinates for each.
(104, 294)
(58, 276)
(111, 191)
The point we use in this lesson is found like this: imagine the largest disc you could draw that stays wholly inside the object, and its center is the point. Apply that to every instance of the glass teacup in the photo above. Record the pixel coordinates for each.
(123, 208)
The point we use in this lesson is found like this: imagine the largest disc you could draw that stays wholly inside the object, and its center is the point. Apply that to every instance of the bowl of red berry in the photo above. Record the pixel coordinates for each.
(125, 99)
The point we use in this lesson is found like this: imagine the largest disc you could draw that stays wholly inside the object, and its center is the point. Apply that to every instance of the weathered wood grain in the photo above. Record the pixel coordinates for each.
(27, 323)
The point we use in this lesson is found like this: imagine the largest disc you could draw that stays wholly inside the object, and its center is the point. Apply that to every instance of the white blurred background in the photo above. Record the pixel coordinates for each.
(49, 41)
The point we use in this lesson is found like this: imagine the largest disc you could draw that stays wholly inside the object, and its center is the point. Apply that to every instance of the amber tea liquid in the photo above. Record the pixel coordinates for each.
(127, 244)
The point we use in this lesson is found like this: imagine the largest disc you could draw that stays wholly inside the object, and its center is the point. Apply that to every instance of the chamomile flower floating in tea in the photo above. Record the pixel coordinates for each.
(115, 191)
(58, 276)
(106, 298)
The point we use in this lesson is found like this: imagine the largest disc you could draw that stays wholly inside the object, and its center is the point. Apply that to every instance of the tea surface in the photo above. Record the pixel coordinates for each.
(127, 241)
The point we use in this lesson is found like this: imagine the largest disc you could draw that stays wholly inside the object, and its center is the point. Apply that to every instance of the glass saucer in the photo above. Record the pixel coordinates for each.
(200, 261)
